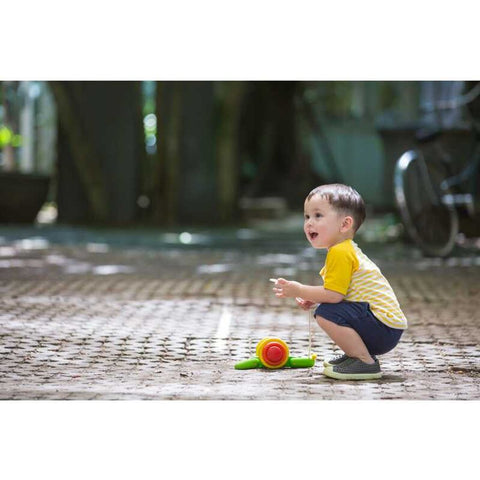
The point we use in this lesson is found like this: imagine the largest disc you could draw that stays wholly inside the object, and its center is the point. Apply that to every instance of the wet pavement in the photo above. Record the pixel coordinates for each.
(108, 314)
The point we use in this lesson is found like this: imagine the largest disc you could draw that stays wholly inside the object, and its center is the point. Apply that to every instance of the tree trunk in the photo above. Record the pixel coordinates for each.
(85, 158)
(186, 171)
(269, 137)
(100, 152)
(165, 185)
(229, 96)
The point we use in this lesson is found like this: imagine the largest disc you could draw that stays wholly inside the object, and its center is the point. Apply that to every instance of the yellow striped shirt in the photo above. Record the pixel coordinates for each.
(350, 272)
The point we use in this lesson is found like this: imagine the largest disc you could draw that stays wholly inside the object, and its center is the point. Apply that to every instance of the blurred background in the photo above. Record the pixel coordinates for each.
(207, 154)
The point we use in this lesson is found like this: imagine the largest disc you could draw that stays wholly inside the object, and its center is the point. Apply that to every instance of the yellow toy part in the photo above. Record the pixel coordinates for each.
(272, 352)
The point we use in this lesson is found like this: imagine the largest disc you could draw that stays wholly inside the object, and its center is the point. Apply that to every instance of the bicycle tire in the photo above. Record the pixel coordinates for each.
(431, 224)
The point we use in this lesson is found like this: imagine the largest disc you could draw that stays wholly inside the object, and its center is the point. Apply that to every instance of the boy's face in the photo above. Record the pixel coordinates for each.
(323, 225)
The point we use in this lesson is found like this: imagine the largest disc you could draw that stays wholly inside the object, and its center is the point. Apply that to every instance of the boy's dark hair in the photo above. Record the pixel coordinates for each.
(344, 199)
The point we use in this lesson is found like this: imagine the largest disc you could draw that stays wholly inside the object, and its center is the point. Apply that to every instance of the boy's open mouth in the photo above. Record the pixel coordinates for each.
(313, 235)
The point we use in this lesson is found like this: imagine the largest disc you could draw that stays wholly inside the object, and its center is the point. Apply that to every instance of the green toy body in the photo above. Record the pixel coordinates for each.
(292, 362)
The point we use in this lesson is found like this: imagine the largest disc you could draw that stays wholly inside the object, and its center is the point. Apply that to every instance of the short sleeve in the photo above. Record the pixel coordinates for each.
(340, 264)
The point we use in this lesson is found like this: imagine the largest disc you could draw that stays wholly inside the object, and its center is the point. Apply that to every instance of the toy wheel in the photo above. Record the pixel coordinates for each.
(273, 352)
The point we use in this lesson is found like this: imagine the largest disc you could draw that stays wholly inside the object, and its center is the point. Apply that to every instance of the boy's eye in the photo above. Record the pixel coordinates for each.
(318, 215)
(307, 217)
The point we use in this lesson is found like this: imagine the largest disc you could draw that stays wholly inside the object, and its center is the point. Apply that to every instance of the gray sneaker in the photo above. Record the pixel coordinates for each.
(354, 369)
(335, 360)
(338, 359)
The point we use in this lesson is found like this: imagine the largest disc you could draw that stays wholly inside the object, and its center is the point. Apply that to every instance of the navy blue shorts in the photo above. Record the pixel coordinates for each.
(378, 337)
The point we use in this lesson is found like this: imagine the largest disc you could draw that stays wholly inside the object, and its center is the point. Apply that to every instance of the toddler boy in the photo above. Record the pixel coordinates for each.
(357, 306)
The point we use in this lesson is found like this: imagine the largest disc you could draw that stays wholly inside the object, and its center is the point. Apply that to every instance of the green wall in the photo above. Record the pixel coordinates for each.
(358, 153)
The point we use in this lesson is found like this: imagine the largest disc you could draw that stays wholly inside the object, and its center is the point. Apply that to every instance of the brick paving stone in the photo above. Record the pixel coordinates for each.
(171, 324)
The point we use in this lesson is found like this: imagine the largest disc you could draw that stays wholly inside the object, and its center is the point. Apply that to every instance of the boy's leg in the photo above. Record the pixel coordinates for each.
(347, 339)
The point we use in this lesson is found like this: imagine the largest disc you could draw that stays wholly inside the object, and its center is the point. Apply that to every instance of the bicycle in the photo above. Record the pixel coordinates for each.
(429, 193)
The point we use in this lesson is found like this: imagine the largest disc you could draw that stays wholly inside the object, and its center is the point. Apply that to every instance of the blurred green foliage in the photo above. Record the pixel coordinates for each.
(7, 137)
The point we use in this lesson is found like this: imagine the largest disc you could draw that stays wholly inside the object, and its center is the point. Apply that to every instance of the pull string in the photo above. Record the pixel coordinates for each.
(309, 334)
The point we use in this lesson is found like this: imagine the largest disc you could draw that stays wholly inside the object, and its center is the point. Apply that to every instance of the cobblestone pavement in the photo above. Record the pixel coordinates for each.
(91, 321)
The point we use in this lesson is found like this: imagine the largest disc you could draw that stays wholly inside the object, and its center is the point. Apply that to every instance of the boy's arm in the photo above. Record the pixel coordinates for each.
(284, 289)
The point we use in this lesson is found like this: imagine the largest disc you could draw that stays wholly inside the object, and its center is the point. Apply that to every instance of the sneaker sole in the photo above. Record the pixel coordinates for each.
(328, 372)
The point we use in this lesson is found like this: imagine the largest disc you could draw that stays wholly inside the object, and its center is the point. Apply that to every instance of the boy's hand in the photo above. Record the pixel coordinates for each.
(304, 304)
(284, 288)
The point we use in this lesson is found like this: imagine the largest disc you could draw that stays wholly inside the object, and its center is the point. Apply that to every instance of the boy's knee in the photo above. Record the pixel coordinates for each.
(321, 321)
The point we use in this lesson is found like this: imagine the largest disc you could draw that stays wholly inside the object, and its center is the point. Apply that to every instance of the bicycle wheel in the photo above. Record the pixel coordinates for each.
(430, 223)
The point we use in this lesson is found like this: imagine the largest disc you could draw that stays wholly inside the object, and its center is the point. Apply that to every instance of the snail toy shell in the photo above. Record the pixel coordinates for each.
(273, 353)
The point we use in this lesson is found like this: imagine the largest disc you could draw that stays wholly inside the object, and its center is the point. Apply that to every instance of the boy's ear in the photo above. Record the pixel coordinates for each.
(347, 224)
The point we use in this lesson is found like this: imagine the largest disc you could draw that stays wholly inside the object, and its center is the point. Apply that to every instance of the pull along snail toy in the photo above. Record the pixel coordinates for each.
(273, 353)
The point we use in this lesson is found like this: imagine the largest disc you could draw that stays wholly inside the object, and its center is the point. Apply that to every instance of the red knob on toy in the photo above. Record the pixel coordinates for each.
(274, 353)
